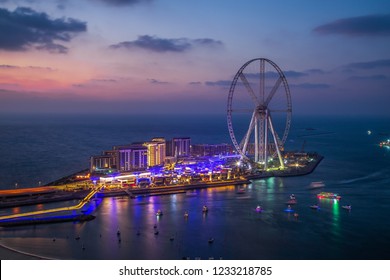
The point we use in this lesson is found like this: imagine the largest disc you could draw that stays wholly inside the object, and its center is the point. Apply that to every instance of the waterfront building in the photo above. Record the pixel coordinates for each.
(179, 147)
(139, 157)
(201, 150)
(104, 163)
(156, 151)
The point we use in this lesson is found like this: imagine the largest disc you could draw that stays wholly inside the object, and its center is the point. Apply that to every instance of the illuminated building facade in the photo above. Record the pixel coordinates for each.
(156, 151)
(201, 150)
(179, 147)
(105, 162)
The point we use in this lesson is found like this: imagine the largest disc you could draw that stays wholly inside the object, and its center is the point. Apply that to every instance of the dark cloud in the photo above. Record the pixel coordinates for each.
(155, 44)
(383, 63)
(371, 25)
(315, 71)
(104, 80)
(294, 74)
(154, 81)
(273, 74)
(310, 86)
(24, 28)
(368, 78)
(6, 66)
(195, 83)
(220, 83)
(124, 2)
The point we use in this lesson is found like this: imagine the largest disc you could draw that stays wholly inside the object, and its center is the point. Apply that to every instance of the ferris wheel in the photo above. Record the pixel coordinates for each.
(259, 113)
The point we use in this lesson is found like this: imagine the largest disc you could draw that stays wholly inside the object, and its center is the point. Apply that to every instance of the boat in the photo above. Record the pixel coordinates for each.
(186, 214)
(289, 209)
(292, 197)
(205, 209)
(259, 208)
(241, 190)
(385, 143)
(211, 240)
(317, 185)
(329, 195)
(315, 207)
(291, 202)
(347, 207)
(159, 213)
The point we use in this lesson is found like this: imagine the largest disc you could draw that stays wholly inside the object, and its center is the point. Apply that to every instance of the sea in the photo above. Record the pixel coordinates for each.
(36, 150)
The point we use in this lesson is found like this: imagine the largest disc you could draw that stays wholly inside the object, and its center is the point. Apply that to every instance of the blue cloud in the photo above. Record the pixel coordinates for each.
(369, 78)
(124, 2)
(310, 86)
(375, 64)
(371, 25)
(220, 83)
(155, 44)
(25, 27)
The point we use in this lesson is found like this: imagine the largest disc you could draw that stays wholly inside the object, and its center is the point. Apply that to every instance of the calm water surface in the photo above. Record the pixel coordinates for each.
(43, 149)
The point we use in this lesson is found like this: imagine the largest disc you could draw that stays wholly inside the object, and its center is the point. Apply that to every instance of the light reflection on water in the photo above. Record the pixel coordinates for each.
(239, 231)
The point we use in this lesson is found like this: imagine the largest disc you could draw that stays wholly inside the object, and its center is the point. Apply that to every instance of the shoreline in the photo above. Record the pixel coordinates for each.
(45, 194)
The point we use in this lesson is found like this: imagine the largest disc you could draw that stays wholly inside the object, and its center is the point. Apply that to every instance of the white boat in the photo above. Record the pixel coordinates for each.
(347, 207)
(315, 207)
(317, 185)
(159, 213)
(205, 209)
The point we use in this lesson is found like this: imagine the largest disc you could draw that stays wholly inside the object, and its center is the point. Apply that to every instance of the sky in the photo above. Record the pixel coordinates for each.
(175, 56)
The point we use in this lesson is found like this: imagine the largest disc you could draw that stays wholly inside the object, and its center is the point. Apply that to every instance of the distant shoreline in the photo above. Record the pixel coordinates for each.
(27, 198)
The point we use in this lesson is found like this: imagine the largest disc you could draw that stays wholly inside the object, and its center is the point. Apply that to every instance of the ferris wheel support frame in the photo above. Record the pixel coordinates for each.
(261, 122)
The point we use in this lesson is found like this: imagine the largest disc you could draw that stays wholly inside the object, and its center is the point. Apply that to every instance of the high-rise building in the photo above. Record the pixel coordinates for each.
(156, 151)
(139, 157)
(211, 150)
(181, 147)
(105, 162)
(131, 157)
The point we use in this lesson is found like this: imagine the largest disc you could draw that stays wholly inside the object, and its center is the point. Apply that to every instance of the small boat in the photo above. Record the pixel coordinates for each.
(292, 197)
(296, 215)
(205, 209)
(172, 238)
(241, 190)
(315, 207)
(156, 232)
(291, 202)
(211, 240)
(288, 209)
(186, 214)
(159, 213)
(347, 207)
(328, 195)
(118, 232)
(77, 238)
(259, 208)
(316, 185)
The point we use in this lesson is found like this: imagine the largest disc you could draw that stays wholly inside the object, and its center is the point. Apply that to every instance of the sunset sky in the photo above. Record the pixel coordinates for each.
(175, 56)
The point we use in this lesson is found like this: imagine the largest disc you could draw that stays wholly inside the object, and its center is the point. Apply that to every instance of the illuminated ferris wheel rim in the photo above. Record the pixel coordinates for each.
(261, 110)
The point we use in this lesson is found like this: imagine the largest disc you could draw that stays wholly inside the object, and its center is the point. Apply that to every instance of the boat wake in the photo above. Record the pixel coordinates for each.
(378, 175)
